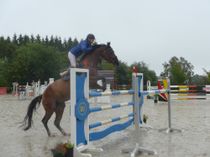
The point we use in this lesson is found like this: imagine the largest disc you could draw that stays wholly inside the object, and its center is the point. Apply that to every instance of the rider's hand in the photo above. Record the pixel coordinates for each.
(94, 43)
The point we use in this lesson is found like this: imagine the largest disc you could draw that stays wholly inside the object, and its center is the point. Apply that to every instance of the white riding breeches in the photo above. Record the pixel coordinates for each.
(72, 59)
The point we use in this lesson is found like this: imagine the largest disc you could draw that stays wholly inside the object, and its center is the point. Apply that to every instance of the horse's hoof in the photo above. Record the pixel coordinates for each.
(66, 134)
(52, 135)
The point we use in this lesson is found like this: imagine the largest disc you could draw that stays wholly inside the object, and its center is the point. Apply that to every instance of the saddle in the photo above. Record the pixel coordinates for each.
(65, 75)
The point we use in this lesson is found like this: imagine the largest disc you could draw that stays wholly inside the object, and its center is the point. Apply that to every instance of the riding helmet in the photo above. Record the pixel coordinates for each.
(90, 36)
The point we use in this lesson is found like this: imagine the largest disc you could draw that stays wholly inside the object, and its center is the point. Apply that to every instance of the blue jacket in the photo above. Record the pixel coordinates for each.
(82, 47)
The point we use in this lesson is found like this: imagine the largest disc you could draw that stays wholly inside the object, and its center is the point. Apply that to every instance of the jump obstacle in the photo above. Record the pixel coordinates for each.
(26, 91)
(181, 92)
(189, 92)
(81, 130)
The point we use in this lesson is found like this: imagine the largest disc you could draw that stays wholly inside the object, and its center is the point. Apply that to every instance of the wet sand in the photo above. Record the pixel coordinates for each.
(191, 116)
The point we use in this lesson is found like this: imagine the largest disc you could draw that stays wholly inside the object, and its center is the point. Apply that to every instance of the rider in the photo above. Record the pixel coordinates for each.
(83, 47)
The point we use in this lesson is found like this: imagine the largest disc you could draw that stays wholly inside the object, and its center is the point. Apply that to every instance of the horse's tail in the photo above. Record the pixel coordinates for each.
(31, 108)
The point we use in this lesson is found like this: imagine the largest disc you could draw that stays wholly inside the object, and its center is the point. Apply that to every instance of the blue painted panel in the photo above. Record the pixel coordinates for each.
(118, 127)
(141, 97)
(139, 85)
(80, 97)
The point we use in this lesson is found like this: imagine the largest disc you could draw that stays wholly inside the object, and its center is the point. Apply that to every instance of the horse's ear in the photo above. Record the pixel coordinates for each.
(108, 43)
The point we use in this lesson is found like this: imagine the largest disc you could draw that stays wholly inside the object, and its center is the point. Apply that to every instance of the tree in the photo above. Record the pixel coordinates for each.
(46, 40)
(65, 45)
(14, 39)
(26, 58)
(20, 39)
(7, 49)
(34, 62)
(3, 80)
(52, 41)
(179, 70)
(38, 39)
(123, 74)
(75, 42)
(69, 43)
(32, 39)
(26, 39)
(199, 80)
(207, 76)
(8, 40)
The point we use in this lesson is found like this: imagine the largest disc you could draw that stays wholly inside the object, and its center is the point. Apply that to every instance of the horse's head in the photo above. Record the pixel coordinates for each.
(107, 53)
(101, 51)
(92, 59)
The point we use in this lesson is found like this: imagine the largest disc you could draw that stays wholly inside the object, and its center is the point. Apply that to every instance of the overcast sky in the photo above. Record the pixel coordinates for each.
(152, 31)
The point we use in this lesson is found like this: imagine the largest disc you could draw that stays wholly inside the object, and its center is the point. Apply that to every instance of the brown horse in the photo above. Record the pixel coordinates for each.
(55, 95)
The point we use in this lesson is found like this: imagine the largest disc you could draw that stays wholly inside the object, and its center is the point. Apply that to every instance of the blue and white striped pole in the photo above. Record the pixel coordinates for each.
(112, 106)
(117, 92)
(108, 121)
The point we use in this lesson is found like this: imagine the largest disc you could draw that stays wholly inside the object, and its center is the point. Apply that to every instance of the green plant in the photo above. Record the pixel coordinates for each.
(62, 149)
(69, 145)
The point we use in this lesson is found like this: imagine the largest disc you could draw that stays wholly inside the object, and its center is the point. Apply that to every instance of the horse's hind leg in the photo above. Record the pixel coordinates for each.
(45, 120)
(59, 113)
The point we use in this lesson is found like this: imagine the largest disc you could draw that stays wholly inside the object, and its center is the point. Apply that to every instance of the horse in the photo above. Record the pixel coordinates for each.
(54, 97)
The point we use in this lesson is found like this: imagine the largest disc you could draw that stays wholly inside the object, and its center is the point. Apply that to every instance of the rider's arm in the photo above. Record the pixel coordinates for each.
(85, 47)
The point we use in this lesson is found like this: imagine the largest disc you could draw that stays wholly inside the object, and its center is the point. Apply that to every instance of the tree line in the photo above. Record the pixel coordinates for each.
(26, 58)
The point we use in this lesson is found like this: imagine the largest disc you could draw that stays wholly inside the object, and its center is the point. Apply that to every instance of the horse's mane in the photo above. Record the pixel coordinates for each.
(94, 49)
